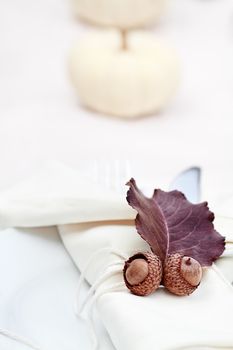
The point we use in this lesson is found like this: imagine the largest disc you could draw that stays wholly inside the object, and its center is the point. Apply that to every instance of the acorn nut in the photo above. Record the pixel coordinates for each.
(142, 273)
(182, 274)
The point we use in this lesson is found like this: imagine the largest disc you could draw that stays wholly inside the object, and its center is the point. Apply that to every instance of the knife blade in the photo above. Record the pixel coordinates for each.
(188, 182)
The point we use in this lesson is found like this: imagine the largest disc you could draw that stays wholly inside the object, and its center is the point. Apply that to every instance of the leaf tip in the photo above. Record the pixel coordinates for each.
(131, 182)
(132, 186)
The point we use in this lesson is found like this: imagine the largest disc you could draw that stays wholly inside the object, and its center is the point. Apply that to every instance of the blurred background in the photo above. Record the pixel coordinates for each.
(41, 119)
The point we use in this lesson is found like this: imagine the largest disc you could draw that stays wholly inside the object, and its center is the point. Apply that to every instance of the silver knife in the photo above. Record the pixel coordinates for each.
(188, 182)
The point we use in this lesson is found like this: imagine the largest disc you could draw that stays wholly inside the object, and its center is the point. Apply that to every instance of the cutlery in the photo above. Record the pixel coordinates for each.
(188, 182)
(114, 174)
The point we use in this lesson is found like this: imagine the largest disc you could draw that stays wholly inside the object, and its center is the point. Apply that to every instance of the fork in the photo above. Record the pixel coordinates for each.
(110, 174)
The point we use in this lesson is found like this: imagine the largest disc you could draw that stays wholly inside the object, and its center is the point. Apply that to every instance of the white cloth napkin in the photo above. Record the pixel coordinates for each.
(103, 219)
(161, 321)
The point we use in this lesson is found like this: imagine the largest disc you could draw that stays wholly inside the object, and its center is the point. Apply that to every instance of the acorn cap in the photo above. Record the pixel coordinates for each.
(182, 274)
(143, 273)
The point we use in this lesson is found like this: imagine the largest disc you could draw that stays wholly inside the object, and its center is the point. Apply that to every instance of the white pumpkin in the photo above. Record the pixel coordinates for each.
(119, 13)
(131, 82)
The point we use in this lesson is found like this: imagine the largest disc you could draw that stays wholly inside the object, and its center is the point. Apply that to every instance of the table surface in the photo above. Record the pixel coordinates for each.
(41, 121)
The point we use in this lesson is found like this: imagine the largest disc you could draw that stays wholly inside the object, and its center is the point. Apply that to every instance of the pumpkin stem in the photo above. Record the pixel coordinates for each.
(124, 43)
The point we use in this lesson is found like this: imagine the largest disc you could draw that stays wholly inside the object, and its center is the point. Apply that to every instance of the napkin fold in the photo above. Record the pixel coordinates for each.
(102, 219)
(59, 195)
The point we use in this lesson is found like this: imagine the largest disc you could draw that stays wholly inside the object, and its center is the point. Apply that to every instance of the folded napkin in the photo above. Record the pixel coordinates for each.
(102, 219)
(59, 195)
(162, 320)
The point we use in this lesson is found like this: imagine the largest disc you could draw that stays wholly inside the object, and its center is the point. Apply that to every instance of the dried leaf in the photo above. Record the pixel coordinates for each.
(170, 224)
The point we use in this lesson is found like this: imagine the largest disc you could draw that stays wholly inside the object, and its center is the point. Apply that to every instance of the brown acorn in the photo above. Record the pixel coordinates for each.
(182, 274)
(143, 273)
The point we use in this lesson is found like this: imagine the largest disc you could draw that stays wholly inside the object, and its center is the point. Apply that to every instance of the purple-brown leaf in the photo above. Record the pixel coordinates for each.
(170, 224)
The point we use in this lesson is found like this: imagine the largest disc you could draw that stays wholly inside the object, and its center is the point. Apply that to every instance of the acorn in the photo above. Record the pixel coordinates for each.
(182, 274)
(143, 273)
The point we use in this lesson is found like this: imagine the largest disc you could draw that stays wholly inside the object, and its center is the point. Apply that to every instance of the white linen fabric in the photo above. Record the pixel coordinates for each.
(103, 219)
(162, 320)
(59, 195)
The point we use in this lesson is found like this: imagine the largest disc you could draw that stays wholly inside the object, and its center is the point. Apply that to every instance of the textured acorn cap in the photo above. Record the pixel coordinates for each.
(144, 271)
(182, 275)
